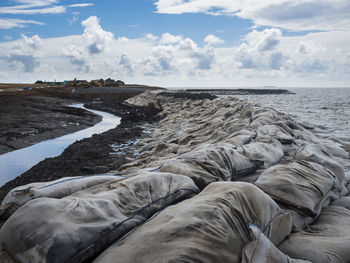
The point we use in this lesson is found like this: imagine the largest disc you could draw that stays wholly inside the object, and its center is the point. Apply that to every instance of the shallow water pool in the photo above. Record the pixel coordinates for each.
(15, 163)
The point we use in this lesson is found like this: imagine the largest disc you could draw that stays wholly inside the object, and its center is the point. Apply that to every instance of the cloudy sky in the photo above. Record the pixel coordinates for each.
(178, 43)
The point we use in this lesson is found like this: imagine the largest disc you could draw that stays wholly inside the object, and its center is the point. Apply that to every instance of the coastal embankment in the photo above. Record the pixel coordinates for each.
(214, 180)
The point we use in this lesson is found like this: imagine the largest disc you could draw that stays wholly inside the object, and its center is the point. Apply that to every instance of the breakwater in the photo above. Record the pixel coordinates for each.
(219, 180)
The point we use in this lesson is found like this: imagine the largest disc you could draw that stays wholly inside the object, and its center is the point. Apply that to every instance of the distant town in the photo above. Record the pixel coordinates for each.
(84, 83)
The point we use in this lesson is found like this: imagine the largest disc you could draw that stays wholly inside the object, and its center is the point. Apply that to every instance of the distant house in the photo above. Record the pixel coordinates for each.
(113, 83)
(109, 80)
(74, 82)
(120, 82)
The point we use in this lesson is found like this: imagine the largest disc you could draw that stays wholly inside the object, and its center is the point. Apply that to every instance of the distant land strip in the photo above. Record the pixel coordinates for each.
(243, 91)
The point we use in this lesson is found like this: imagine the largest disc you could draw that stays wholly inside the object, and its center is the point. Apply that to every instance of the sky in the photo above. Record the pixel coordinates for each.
(178, 43)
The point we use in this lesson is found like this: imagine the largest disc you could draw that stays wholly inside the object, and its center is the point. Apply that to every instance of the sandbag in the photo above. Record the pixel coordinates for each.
(79, 226)
(267, 133)
(319, 154)
(210, 227)
(325, 241)
(261, 250)
(343, 201)
(303, 186)
(335, 148)
(265, 154)
(210, 163)
(53, 189)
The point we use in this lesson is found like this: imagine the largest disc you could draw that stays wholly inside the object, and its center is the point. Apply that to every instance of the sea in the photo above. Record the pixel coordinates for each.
(327, 109)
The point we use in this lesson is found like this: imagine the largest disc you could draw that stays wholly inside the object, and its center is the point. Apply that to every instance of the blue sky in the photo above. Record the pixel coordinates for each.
(178, 42)
(129, 18)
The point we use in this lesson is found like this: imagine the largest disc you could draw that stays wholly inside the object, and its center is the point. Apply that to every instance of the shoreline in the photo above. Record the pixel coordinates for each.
(223, 152)
(30, 120)
(92, 155)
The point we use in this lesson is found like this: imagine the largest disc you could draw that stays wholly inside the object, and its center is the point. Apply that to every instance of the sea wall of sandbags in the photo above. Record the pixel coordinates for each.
(305, 173)
(218, 180)
(79, 226)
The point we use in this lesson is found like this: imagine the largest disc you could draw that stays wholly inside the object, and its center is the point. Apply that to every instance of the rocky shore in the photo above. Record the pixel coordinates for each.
(216, 180)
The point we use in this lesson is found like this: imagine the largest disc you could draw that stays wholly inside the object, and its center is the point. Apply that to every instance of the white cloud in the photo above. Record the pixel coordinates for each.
(161, 61)
(7, 37)
(265, 40)
(260, 50)
(262, 56)
(170, 39)
(33, 42)
(287, 14)
(81, 5)
(7, 23)
(77, 57)
(27, 63)
(95, 36)
(23, 55)
(188, 44)
(126, 63)
(151, 37)
(72, 20)
(205, 58)
(309, 47)
(213, 40)
(32, 9)
(37, 7)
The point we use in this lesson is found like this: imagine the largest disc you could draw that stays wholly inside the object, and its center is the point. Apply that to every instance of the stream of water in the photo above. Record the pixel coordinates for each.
(15, 163)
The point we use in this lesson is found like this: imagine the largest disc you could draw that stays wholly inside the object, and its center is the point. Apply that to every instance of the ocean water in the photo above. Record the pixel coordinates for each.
(325, 108)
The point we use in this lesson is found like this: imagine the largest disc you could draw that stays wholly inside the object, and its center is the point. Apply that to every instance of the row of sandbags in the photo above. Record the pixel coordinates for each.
(213, 226)
(238, 222)
(79, 226)
(157, 215)
(313, 172)
(226, 222)
(188, 124)
(19, 196)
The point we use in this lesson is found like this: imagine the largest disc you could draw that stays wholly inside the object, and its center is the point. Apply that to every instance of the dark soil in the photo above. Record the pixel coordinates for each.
(93, 155)
(26, 120)
(96, 155)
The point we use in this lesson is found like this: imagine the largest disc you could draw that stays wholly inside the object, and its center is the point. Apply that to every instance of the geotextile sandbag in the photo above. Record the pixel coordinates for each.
(210, 227)
(335, 148)
(343, 201)
(79, 226)
(261, 250)
(319, 154)
(303, 186)
(264, 154)
(327, 240)
(210, 163)
(267, 133)
(53, 189)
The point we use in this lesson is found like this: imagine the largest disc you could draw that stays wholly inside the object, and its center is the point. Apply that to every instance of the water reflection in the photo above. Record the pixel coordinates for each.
(15, 163)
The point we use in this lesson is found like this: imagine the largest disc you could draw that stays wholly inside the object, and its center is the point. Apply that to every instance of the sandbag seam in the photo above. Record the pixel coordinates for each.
(129, 218)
